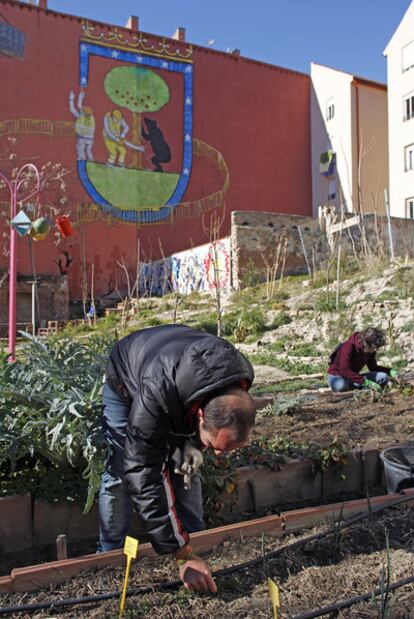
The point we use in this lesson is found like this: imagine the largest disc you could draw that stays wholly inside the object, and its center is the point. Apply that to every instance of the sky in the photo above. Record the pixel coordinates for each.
(349, 35)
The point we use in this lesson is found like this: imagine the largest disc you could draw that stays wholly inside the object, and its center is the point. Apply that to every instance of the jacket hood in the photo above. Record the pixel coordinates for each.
(354, 339)
(207, 365)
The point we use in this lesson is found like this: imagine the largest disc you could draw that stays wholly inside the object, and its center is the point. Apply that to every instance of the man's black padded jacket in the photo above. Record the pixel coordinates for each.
(163, 371)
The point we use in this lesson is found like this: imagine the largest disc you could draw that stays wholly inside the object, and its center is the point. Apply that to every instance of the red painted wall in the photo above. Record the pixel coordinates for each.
(257, 116)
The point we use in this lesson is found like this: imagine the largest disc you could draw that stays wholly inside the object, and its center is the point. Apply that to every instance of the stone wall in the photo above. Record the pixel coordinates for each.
(256, 237)
(254, 244)
(53, 299)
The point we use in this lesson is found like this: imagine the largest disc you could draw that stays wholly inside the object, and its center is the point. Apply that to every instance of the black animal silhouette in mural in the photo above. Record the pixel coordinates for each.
(162, 152)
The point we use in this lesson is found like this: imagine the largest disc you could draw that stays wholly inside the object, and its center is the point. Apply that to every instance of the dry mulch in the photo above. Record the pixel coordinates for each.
(341, 565)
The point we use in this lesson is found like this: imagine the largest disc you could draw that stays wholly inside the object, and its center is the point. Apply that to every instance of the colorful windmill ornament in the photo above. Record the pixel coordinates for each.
(21, 223)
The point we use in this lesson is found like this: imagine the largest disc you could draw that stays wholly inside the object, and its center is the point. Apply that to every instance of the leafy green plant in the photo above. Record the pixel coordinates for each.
(305, 349)
(219, 476)
(280, 319)
(44, 479)
(294, 368)
(207, 322)
(287, 386)
(323, 305)
(244, 323)
(403, 282)
(50, 406)
(325, 456)
(285, 404)
(279, 450)
(251, 275)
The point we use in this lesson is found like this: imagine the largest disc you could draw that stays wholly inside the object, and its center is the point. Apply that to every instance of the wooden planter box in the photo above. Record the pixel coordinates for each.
(24, 522)
(62, 517)
(48, 574)
(15, 522)
(260, 488)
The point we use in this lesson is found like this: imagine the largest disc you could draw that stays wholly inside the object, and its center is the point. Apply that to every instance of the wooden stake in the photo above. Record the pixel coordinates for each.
(61, 548)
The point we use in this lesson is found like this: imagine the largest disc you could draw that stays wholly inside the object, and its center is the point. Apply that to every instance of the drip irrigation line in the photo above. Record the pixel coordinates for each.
(355, 599)
(175, 584)
(89, 599)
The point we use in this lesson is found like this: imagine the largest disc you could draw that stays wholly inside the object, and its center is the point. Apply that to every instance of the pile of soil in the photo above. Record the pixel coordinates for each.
(352, 420)
(343, 564)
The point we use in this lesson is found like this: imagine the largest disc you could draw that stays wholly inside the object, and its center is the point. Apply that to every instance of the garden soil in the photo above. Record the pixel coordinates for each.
(354, 423)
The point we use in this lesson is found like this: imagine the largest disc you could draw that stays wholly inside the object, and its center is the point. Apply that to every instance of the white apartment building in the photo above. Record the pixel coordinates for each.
(400, 69)
(349, 141)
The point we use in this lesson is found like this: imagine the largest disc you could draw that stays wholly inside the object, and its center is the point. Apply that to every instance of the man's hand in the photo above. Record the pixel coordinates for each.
(187, 462)
(196, 575)
(370, 384)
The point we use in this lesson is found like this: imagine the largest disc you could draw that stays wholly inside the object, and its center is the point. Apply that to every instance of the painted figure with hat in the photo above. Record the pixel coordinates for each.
(84, 126)
(114, 133)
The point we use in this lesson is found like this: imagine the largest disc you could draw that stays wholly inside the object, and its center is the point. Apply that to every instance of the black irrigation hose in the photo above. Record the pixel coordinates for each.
(89, 599)
(354, 600)
(175, 584)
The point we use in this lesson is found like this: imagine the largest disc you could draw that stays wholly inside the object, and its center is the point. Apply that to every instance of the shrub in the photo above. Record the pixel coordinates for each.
(50, 406)
(207, 323)
(240, 325)
(281, 319)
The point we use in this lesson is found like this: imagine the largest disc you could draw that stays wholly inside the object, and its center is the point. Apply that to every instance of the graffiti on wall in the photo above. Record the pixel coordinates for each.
(195, 270)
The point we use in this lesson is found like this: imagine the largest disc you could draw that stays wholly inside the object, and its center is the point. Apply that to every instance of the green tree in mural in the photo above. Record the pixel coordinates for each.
(138, 90)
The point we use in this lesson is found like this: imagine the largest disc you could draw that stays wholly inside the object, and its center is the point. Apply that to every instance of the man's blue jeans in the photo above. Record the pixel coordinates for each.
(338, 383)
(115, 503)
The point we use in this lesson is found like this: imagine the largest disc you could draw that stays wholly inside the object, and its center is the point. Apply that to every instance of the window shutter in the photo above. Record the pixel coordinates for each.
(408, 56)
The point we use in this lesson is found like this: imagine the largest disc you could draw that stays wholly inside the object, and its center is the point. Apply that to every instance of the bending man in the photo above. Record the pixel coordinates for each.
(170, 393)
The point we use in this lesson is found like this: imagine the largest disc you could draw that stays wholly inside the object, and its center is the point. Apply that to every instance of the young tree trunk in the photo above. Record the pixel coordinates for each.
(84, 281)
(136, 159)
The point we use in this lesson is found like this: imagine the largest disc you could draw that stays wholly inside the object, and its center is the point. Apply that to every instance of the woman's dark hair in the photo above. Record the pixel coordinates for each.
(372, 338)
(231, 408)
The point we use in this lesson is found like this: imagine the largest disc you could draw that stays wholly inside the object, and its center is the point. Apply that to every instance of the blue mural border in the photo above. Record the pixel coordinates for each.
(143, 216)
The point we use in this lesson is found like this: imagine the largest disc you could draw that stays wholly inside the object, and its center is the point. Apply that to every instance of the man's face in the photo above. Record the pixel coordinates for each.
(221, 440)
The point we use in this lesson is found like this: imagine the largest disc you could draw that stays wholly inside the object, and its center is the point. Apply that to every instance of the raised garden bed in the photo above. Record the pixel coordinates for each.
(346, 562)
(32, 526)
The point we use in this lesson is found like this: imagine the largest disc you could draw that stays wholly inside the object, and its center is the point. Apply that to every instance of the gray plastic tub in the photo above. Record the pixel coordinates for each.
(398, 464)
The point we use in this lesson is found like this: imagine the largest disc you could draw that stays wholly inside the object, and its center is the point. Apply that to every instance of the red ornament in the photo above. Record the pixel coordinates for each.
(64, 225)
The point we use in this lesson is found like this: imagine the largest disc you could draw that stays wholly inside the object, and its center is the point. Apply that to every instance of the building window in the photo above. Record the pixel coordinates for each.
(330, 109)
(408, 56)
(332, 189)
(409, 157)
(408, 106)
(409, 208)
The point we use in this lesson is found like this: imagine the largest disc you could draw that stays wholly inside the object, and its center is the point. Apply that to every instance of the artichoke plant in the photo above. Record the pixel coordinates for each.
(50, 405)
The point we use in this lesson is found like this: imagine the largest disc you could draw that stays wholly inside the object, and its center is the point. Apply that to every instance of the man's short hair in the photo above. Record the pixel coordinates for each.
(231, 408)
(372, 338)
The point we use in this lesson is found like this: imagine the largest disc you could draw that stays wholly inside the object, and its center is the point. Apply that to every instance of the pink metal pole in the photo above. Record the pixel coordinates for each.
(12, 275)
(14, 187)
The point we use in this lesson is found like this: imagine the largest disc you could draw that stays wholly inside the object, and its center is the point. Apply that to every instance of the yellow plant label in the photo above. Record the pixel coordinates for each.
(274, 595)
(131, 547)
